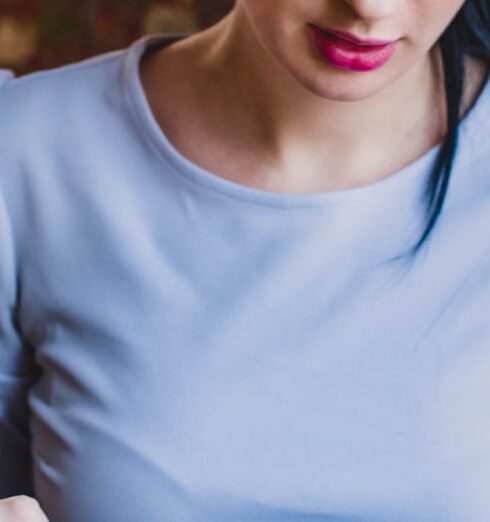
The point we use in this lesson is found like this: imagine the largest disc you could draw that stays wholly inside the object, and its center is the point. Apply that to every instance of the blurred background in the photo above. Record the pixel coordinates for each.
(39, 34)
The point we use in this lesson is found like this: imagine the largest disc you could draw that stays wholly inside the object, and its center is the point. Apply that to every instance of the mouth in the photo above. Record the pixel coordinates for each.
(349, 37)
(347, 51)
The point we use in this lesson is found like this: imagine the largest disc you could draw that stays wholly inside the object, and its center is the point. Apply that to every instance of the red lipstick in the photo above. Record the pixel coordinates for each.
(346, 51)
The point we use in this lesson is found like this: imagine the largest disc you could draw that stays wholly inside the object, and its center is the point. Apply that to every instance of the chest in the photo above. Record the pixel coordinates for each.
(242, 376)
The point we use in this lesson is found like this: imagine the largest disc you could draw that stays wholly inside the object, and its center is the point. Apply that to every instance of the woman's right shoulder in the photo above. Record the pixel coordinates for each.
(40, 104)
(49, 119)
(5, 75)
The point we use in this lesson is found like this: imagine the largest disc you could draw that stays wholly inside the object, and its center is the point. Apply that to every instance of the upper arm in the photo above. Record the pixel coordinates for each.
(17, 370)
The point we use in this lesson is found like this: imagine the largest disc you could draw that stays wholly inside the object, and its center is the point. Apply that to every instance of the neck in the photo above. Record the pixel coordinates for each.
(287, 118)
(292, 130)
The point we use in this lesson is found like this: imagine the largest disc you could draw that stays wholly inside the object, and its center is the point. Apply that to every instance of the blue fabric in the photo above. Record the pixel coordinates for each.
(175, 346)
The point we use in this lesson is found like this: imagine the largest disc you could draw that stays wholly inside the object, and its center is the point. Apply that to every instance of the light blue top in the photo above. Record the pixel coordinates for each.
(178, 347)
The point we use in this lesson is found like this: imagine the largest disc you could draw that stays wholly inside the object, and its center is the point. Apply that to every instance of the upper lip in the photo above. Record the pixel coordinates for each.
(354, 39)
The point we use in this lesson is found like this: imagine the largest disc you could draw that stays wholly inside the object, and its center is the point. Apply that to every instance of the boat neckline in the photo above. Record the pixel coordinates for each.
(141, 109)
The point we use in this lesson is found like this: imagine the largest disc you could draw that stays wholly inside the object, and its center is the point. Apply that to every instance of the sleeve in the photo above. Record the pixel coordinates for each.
(17, 369)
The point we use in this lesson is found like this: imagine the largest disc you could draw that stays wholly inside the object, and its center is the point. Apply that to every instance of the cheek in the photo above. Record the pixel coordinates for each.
(280, 27)
(435, 15)
(277, 19)
(260, 11)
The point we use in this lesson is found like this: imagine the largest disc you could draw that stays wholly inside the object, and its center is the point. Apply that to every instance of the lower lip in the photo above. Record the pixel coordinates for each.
(347, 55)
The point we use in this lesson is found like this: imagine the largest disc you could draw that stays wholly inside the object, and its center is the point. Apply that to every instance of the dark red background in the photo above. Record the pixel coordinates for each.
(37, 34)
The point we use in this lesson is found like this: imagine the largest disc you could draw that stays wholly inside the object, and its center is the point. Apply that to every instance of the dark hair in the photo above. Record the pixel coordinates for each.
(468, 33)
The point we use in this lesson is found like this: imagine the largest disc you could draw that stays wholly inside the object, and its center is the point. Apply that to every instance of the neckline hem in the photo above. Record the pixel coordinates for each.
(141, 109)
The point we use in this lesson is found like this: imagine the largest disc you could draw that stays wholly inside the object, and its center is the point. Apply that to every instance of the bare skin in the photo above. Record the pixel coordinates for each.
(21, 508)
(207, 97)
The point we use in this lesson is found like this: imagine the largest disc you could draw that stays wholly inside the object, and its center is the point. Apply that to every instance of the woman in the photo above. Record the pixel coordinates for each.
(203, 238)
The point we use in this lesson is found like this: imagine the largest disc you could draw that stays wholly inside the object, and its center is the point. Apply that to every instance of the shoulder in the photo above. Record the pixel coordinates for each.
(44, 100)
(53, 121)
(49, 118)
(5, 75)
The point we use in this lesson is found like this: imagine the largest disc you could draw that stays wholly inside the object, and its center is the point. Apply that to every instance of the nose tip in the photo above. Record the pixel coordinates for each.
(372, 9)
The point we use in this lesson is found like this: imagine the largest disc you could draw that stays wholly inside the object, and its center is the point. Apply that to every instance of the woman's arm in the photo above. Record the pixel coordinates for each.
(17, 368)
